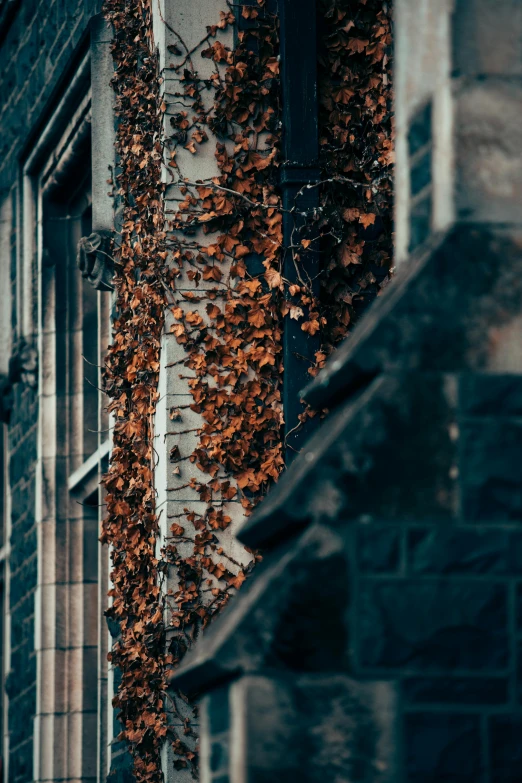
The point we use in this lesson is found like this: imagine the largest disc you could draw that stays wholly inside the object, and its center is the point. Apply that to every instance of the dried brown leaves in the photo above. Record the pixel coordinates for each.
(232, 328)
(131, 377)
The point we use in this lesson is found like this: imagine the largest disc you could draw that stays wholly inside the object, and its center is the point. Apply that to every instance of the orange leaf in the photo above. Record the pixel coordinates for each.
(367, 219)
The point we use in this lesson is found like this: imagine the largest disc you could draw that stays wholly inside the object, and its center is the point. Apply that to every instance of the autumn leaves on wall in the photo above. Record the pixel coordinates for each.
(227, 234)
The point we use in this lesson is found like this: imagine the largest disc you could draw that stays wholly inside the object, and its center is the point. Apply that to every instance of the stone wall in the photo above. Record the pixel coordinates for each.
(422, 71)
(39, 45)
(409, 571)
(411, 576)
(438, 600)
(21, 681)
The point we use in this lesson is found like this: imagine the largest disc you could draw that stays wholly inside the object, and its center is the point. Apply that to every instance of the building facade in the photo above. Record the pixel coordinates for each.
(379, 640)
(59, 209)
(50, 518)
(381, 643)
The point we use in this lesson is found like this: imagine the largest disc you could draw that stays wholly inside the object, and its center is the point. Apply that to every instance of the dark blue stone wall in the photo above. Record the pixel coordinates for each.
(40, 44)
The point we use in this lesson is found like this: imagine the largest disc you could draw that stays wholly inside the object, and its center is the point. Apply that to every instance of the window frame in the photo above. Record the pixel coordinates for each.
(68, 743)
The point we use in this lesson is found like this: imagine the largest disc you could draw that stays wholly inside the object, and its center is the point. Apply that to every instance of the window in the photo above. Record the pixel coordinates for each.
(73, 333)
(82, 327)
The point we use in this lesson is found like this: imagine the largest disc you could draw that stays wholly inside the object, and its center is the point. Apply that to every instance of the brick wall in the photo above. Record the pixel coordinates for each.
(410, 570)
(20, 684)
(39, 46)
(439, 599)
(410, 580)
(21, 681)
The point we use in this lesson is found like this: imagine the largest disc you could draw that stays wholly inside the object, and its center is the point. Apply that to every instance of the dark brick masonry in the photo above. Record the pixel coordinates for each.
(21, 681)
(393, 548)
(39, 45)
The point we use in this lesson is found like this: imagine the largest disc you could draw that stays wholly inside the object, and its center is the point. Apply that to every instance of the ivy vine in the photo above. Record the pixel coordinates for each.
(225, 236)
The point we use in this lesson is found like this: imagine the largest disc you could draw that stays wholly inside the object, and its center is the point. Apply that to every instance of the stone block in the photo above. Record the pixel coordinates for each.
(316, 728)
(485, 394)
(519, 605)
(27, 86)
(489, 168)
(378, 548)
(487, 38)
(458, 550)
(385, 456)
(505, 748)
(29, 93)
(490, 459)
(455, 690)
(436, 316)
(121, 767)
(443, 748)
(298, 602)
(23, 581)
(519, 671)
(432, 625)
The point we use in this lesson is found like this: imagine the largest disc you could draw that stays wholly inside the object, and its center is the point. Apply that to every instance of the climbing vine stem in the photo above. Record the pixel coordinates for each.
(208, 268)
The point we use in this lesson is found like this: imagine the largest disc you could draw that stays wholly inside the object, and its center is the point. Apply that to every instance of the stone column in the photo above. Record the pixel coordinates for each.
(458, 115)
(423, 101)
(178, 29)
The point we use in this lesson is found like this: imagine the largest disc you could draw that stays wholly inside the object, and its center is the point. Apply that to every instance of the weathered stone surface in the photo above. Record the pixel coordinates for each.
(519, 671)
(417, 468)
(378, 548)
(489, 182)
(352, 729)
(490, 459)
(455, 690)
(487, 394)
(387, 456)
(312, 729)
(519, 605)
(443, 748)
(436, 316)
(21, 680)
(298, 600)
(505, 748)
(432, 625)
(487, 37)
(457, 550)
(37, 50)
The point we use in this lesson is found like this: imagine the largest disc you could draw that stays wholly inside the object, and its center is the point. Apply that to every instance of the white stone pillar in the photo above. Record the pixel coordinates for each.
(180, 27)
(422, 88)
